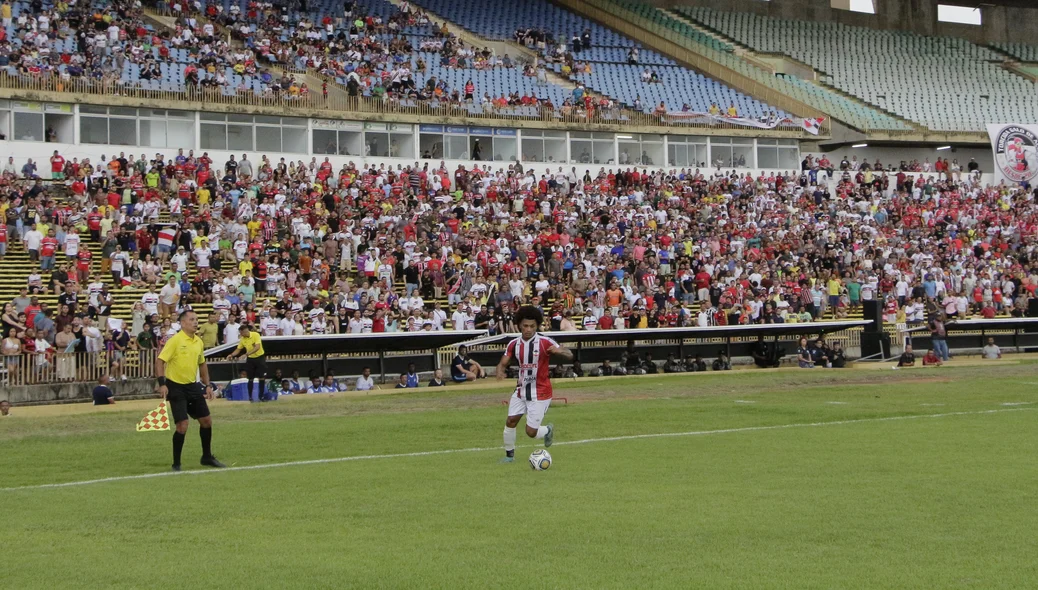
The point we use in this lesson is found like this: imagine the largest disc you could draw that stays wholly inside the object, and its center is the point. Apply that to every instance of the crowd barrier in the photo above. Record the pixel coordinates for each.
(76, 367)
(340, 105)
(87, 367)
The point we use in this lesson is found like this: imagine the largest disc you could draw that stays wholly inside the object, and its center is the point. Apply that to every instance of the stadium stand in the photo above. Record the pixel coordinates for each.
(388, 56)
(114, 44)
(1020, 51)
(383, 48)
(611, 73)
(904, 73)
(855, 114)
(372, 249)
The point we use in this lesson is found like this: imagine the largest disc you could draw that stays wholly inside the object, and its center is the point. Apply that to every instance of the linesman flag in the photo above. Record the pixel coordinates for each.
(157, 419)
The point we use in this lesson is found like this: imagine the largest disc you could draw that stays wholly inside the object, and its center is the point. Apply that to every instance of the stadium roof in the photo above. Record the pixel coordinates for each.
(353, 343)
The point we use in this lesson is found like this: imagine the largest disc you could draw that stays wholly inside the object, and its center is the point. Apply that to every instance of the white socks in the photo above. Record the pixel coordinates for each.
(510, 436)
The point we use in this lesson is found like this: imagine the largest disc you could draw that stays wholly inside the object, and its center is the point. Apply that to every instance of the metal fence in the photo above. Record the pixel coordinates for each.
(76, 367)
(340, 105)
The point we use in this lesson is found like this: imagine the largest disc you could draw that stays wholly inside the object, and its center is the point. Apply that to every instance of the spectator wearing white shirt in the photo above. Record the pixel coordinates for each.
(991, 351)
(241, 247)
(318, 323)
(437, 316)
(92, 335)
(169, 298)
(42, 347)
(269, 326)
(356, 324)
(365, 382)
(179, 260)
(230, 331)
(32, 240)
(288, 324)
(915, 312)
(415, 303)
(118, 265)
(72, 243)
(150, 301)
(94, 290)
(902, 290)
(704, 316)
(201, 255)
(460, 317)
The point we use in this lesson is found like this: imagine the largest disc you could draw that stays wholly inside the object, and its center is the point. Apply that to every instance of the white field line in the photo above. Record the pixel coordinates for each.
(486, 449)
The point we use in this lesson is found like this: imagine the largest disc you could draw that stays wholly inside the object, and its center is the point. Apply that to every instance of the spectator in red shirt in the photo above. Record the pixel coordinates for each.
(48, 249)
(94, 224)
(57, 166)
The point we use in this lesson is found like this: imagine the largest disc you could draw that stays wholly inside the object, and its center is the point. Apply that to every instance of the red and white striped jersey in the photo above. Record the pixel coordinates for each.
(534, 380)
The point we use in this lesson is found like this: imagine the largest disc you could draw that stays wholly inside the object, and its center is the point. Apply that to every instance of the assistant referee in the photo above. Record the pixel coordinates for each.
(251, 345)
(177, 368)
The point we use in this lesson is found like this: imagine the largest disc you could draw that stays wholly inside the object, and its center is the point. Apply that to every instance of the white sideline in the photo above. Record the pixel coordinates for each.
(483, 449)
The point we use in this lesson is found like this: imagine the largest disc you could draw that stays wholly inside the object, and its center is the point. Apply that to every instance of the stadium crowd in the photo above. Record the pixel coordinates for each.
(303, 248)
(111, 43)
(380, 57)
(100, 41)
(112, 46)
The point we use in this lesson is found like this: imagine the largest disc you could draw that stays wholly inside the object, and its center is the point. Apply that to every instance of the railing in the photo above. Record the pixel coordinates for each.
(678, 45)
(736, 72)
(76, 367)
(339, 105)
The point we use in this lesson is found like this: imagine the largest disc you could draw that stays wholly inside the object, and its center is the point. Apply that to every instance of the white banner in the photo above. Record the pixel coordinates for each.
(812, 126)
(1015, 151)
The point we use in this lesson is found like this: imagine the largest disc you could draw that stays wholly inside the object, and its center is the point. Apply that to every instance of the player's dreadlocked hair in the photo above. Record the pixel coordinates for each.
(529, 312)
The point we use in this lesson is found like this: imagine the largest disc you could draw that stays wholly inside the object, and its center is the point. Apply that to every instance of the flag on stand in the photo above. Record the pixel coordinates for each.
(813, 126)
(156, 419)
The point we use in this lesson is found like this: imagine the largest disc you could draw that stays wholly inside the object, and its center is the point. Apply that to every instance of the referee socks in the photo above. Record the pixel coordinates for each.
(206, 434)
(178, 446)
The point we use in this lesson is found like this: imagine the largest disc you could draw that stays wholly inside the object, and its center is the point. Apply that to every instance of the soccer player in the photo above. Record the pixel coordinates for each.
(251, 345)
(180, 361)
(532, 395)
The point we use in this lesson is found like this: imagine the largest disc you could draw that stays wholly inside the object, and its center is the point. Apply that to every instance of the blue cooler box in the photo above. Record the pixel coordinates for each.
(239, 391)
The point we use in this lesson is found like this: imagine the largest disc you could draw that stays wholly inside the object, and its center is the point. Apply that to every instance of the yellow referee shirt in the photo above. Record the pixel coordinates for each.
(253, 339)
(183, 355)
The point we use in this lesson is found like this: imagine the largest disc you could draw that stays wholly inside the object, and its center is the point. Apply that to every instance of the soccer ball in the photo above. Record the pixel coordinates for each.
(540, 460)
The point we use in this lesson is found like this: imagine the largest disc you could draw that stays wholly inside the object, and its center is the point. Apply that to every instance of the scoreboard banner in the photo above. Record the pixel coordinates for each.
(1014, 149)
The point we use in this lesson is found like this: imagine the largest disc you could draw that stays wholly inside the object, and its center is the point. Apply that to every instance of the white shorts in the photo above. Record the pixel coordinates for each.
(534, 409)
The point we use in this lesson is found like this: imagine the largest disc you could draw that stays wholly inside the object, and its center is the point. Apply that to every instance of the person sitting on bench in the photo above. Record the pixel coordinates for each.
(464, 369)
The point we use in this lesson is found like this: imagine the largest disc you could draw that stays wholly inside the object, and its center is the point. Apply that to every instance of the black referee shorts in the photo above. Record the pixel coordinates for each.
(186, 400)
(256, 368)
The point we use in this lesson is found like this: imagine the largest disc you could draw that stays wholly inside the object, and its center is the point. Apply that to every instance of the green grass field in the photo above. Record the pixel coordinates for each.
(784, 479)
